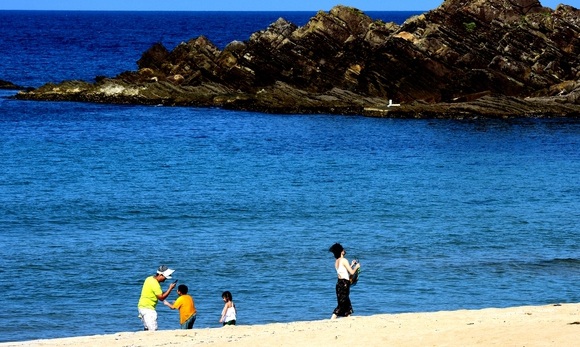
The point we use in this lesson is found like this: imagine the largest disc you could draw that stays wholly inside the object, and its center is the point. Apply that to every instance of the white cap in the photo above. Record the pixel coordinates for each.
(165, 271)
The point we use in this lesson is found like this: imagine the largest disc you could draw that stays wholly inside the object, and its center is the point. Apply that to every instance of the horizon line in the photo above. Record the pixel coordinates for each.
(95, 10)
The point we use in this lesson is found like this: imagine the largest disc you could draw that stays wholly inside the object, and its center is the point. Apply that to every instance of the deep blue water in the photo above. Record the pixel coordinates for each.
(442, 214)
(51, 46)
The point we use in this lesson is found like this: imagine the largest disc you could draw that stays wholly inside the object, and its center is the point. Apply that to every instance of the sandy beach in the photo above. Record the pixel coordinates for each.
(550, 325)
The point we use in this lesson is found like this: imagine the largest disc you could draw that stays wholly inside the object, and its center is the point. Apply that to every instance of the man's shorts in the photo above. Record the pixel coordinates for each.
(149, 318)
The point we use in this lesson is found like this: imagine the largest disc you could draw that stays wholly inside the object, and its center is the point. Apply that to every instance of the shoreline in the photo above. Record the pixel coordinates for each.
(548, 325)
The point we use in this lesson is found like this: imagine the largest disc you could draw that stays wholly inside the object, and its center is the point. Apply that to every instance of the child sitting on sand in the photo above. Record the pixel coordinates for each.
(229, 312)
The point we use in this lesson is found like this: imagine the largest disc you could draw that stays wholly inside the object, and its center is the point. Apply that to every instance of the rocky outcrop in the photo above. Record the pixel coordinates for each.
(9, 85)
(491, 58)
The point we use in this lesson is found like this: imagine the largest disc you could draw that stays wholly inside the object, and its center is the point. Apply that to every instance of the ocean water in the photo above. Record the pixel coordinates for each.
(442, 214)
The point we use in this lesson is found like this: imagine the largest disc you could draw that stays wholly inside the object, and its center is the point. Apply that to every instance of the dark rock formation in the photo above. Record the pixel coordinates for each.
(491, 58)
(9, 85)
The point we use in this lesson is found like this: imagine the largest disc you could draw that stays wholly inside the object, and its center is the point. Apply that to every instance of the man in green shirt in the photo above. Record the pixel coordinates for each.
(151, 293)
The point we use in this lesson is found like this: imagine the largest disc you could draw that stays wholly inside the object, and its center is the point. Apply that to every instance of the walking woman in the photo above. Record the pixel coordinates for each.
(344, 270)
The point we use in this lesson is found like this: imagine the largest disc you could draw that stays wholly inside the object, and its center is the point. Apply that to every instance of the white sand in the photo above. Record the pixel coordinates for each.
(552, 325)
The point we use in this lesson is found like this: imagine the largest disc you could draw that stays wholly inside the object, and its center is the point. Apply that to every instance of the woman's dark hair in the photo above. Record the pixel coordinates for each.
(227, 295)
(336, 249)
(183, 289)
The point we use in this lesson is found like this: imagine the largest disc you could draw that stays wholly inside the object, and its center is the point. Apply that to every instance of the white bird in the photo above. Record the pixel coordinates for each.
(391, 103)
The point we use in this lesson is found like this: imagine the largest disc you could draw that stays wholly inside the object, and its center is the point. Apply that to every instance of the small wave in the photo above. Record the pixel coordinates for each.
(560, 262)
(556, 265)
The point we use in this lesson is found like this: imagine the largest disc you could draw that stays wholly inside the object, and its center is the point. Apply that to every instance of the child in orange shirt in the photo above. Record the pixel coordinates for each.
(186, 307)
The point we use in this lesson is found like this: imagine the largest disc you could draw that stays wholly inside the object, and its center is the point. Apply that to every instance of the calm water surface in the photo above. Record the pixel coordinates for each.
(442, 214)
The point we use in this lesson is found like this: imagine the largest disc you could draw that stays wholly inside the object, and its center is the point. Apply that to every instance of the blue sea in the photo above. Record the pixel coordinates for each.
(442, 214)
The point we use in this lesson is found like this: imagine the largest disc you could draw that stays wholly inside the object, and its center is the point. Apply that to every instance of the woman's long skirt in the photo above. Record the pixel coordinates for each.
(344, 307)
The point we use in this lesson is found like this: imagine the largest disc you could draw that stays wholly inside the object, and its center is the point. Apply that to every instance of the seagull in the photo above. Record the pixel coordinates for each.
(391, 103)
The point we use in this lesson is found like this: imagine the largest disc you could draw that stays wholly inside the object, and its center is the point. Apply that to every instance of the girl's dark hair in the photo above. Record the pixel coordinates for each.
(227, 295)
(336, 249)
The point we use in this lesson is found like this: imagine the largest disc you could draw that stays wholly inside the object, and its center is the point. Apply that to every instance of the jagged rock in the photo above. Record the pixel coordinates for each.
(492, 58)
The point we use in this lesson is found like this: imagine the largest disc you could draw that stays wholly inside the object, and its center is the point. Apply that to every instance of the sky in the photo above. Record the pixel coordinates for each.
(234, 5)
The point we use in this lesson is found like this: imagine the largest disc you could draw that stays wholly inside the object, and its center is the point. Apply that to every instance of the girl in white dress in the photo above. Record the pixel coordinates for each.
(229, 312)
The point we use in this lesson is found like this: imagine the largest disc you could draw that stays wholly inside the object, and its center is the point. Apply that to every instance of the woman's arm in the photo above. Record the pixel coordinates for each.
(348, 267)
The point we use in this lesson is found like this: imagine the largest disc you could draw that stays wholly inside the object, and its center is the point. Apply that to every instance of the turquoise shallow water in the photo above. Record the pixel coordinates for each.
(442, 214)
